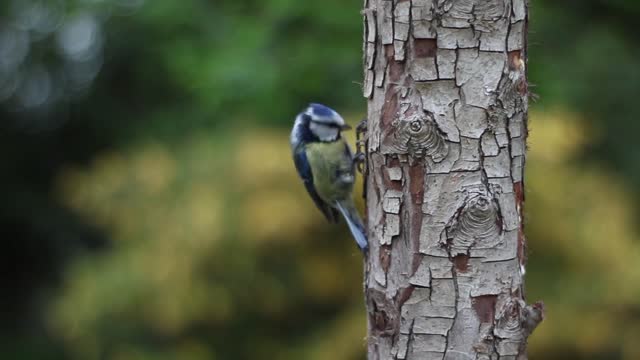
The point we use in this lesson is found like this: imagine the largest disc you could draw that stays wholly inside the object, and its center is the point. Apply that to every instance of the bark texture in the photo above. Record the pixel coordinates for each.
(447, 127)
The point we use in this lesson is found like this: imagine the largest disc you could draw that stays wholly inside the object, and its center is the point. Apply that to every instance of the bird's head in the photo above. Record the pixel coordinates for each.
(324, 122)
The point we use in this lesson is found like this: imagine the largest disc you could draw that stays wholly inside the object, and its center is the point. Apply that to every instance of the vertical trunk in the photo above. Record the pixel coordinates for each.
(447, 125)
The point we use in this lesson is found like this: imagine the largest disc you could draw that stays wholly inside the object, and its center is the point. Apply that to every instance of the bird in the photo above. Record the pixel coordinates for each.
(325, 164)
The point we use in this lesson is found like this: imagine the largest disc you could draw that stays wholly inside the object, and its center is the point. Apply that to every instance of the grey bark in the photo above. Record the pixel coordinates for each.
(447, 126)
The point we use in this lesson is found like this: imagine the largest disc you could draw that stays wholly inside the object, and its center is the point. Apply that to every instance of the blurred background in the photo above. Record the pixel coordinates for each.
(151, 211)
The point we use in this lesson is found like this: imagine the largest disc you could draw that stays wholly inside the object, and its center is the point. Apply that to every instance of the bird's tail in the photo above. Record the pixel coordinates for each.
(350, 213)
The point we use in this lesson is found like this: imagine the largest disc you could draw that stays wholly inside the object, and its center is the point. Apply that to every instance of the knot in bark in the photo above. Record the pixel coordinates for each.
(416, 135)
(415, 126)
(509, 319)
(475, 222)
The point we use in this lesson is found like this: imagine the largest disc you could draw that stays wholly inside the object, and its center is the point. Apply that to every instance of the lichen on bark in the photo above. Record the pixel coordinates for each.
(447, 126)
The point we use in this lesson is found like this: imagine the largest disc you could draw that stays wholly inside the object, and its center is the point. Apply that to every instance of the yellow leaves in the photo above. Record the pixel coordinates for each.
(137, 194)
(164, 229)
(204, 206)
(263, 160)
(582, 214)
(112, 175)
(153, 169)
(343, 339)
(325, 278)
(170, 313)
(556, 136)
(277, 215)
(168, 212)
(189, 349)
(589, 331)
(591, 212)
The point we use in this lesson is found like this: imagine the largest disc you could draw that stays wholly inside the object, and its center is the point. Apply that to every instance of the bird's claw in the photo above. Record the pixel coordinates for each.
(360, 158)
(362, 126)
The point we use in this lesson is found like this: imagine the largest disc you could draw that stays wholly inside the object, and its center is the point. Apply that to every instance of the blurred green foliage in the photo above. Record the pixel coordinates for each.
(152, 212)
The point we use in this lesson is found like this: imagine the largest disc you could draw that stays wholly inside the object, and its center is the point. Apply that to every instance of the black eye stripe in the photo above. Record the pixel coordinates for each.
(332, 125)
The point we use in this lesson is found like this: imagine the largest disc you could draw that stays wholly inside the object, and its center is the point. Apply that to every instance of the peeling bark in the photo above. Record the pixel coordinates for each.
(447, 126)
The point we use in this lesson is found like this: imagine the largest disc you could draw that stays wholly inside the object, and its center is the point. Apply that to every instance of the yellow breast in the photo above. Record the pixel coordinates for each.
(332, 170)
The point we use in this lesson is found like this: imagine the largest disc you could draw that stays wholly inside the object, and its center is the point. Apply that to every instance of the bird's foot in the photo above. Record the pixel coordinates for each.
(360, 158)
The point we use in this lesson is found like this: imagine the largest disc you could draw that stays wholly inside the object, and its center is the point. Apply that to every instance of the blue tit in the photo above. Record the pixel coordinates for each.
(325, 163)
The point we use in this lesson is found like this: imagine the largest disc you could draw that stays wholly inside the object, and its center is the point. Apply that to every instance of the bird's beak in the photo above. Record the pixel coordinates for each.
(345, 127)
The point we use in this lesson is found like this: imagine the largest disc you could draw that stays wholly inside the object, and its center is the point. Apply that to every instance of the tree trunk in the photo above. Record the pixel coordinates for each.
(447, 127)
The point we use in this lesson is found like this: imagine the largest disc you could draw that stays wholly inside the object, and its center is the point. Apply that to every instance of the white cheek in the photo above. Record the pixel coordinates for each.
(323, 132)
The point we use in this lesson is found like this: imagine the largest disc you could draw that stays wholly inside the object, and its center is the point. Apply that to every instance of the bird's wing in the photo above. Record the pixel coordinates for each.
(304, 170)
